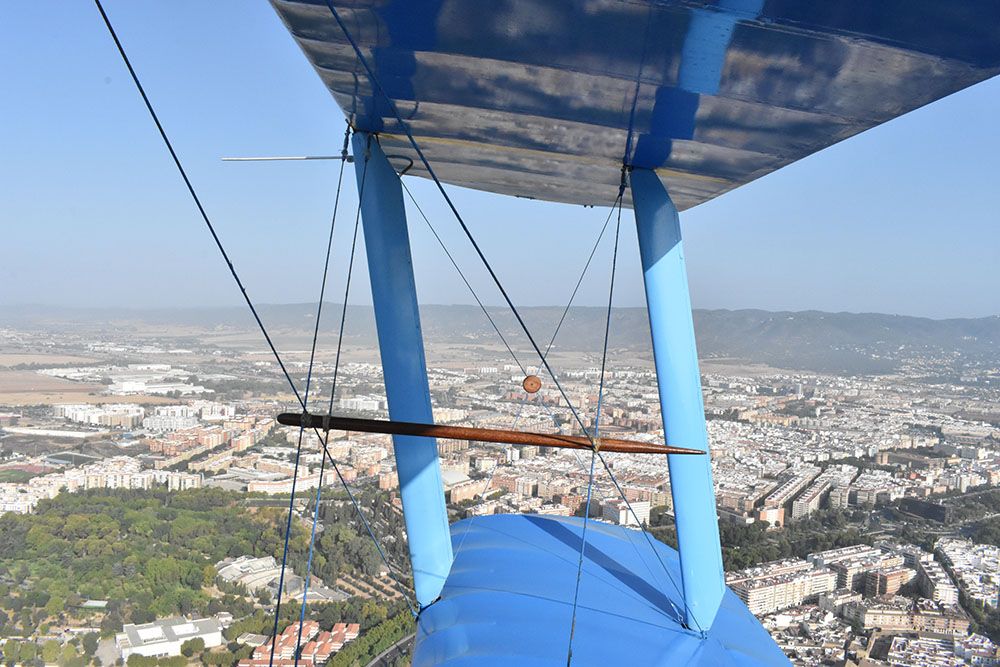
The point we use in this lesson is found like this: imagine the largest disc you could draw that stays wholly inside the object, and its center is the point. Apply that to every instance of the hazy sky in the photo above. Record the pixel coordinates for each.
(903, 219)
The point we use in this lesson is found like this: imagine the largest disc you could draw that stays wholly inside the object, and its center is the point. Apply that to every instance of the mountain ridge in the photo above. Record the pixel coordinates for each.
(811, 340)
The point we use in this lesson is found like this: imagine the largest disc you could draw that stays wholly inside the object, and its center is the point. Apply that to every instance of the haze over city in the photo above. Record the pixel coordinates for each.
(774, 443)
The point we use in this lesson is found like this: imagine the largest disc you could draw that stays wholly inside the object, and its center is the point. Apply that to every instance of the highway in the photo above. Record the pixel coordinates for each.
(384, 659)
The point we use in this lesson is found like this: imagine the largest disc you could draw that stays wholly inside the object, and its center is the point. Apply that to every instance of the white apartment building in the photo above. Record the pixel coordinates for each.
(164, 638)
(616, 511)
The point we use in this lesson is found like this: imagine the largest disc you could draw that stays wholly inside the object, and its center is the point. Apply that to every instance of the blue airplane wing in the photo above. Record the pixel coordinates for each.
(540, 98)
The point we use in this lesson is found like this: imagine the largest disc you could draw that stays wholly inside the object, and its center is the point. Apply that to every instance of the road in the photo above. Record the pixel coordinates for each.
(385, 658)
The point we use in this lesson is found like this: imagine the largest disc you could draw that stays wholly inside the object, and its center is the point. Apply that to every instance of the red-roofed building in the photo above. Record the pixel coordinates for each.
(317, 647)
(286, 646)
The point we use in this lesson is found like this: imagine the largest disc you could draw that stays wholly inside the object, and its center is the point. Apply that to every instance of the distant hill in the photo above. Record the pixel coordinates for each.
(808, 340)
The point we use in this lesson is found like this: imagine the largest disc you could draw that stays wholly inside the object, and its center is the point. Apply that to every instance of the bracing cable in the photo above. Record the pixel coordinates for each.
(597, 431)
(378, 88)
(631, 510)
(284, 556)
(630, 134)
(312, 355)
(462, 276)
(333, 389)
(222, 250)
(590, 258)
(195, 198)
(347, 290)
(628, 538)
(305, 403)
(555, 332)
(458, 216)
(242, 288)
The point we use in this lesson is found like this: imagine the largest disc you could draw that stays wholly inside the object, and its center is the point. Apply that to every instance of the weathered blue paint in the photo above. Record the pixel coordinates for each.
(535, 99)
(676, 359)
(702, 58)
(401, 345)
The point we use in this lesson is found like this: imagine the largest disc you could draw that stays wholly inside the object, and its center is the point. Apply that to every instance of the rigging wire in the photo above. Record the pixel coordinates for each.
(635, 95)
(583, 273)
(309, 562)
(628, 537)
(225, 256)
(195, 198)
(333, 388)
(373, 79)
(288, 528)
(555, 333)
(597, 430)
(458, 216)
(305, 402)
(312, 354)
(462, 275)
(347, 290)
(249, 302)
(548, 348)
(229, 263)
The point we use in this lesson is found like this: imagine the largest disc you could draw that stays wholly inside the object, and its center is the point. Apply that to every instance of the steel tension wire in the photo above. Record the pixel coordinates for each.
(597, 432)
(628, 537)
(194, 196)
(236, 276)
(215, 236)
(626, 168)
(409, 134)
(333, 389)
(628, 504)
(458, 216)
(462, 275)
(312, 355)
(208, 223)
(572, 297)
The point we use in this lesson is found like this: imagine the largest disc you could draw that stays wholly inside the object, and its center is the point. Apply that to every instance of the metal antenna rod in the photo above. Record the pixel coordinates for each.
(274, 158)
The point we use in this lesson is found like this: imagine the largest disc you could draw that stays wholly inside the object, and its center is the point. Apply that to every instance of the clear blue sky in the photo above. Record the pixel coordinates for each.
(903, 219)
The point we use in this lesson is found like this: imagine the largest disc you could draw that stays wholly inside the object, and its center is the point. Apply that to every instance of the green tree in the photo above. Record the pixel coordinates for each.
(55, 606)
(218, 659)
(11, 651)
(136, 660)
(90, 642)
(192, 646)
(69, 657)
(28, 653)
(50, 651)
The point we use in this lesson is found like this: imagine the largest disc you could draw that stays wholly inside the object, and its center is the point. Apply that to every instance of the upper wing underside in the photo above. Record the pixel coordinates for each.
(547, 98)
